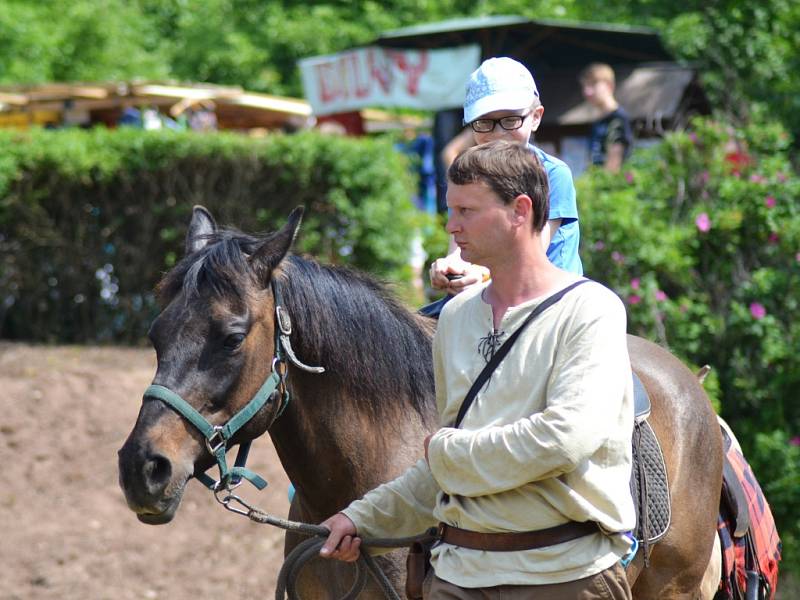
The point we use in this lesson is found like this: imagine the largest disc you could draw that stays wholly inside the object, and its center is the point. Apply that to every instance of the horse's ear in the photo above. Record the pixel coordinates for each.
(276, 246)
(200, 228)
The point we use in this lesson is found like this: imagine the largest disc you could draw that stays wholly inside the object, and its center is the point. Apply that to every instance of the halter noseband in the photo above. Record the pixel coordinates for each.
(218, 436)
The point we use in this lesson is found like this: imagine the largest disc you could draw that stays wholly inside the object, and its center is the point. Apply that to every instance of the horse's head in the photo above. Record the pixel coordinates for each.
(214, 341)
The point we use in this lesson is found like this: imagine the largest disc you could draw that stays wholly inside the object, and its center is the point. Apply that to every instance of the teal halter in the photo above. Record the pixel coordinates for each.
(217, 436)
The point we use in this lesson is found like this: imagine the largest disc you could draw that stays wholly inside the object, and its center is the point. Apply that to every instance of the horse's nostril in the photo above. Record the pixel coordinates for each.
(157, 472)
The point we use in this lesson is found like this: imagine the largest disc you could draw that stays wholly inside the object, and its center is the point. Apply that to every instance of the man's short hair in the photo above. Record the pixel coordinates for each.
(597, 72)
(509, 169)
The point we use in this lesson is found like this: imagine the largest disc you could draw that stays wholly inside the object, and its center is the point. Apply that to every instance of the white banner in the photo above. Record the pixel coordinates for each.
(375, 76)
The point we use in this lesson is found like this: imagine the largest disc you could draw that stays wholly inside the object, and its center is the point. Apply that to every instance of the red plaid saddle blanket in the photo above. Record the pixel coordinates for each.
(749, 558)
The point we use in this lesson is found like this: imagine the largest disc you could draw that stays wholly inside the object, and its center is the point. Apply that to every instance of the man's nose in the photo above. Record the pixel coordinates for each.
(451, 226)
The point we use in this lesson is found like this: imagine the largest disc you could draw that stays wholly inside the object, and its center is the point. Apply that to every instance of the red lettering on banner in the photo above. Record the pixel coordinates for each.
(327, 83)
(361, 85)
(413, 71)
(380, 69)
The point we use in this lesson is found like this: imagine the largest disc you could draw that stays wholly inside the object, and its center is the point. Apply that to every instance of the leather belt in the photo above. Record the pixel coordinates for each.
(515, 541)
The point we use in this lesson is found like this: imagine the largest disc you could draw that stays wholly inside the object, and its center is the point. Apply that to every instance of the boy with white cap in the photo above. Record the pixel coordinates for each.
(503, 102)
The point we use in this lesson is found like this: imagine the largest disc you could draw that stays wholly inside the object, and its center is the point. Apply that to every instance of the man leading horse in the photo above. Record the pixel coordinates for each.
(528, 485)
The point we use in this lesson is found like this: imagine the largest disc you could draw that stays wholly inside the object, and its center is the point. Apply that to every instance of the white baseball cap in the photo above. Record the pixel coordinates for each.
(499, 84)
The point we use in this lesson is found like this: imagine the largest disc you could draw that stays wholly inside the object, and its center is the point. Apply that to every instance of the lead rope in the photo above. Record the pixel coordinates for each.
(308, 549)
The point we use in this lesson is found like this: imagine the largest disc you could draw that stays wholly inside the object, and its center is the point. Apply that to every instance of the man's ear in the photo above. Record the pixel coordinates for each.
(201, 227)
(523, 210)
(536, 117)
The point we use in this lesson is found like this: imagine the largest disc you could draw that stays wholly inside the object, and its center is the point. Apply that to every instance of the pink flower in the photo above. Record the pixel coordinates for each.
(773, 237)
(797, 257)
(756, 178)
(661, 295)
(599, 245)
(795, 441)
(703, 222)
(635, 283)
(769, 202)
(781, 177)
(629, 177)
(693, 137)
(634, 299)
(617, 257)
(757, 310)
(704, 177)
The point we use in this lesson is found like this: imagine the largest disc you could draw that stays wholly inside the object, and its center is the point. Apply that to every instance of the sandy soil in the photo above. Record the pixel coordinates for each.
(66, 530)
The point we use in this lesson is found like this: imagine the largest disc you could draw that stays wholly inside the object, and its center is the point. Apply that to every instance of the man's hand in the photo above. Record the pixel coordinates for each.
(444, 269)
(342, 543)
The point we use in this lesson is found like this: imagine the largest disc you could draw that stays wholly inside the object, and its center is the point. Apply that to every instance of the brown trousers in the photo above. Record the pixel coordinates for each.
(610, 584)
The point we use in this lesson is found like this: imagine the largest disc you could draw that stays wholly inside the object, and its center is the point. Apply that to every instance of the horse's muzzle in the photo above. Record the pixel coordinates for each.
(146, 478)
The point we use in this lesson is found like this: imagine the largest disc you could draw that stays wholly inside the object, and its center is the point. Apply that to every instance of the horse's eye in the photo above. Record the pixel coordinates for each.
(233, 341)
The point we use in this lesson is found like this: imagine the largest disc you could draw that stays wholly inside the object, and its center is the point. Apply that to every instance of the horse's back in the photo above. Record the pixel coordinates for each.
(686, 426)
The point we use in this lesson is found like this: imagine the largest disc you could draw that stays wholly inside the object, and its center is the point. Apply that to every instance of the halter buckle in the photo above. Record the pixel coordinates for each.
(284, 321)
(216, 440)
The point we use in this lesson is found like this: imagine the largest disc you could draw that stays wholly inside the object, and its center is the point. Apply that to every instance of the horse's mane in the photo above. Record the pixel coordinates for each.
(342, 319)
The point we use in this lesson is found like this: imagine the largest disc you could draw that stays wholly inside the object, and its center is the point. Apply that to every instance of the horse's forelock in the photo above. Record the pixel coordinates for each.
(221, 267)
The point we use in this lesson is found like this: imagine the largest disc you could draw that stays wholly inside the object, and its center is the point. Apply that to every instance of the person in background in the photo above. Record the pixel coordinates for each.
(611, 138)
(502, 103)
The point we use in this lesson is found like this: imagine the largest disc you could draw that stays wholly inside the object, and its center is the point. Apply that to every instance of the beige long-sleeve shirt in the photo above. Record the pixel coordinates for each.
(547, 441)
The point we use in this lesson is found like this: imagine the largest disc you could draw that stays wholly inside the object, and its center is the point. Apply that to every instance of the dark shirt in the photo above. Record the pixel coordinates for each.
(614, 128)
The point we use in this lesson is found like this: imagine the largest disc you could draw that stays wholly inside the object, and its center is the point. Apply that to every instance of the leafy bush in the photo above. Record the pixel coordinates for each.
(701, 237)
(89, 220)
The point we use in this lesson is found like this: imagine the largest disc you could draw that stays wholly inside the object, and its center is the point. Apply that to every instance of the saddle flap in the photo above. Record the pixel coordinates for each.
(733, 498)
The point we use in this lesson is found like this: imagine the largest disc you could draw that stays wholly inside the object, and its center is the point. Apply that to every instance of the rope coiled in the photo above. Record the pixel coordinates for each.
(306, 550)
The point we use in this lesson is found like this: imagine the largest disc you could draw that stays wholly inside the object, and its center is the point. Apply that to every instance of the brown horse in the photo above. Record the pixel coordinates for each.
(360, 422)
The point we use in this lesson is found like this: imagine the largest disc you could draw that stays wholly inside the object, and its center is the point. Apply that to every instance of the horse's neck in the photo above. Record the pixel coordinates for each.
(335, 456)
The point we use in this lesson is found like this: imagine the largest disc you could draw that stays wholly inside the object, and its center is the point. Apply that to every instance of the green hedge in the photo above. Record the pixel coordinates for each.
(89, 220)
(701, 237)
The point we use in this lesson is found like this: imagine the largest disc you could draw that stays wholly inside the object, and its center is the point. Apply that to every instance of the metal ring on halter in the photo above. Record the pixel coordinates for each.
(212, 445)
(279, 367)
(226, 502)
(232, 486)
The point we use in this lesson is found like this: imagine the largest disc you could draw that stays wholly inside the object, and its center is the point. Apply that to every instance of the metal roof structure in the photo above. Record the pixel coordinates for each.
(650, 85)
(543, 44)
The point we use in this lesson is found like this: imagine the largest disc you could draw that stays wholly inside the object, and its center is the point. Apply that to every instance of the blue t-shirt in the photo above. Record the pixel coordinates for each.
(563, 248)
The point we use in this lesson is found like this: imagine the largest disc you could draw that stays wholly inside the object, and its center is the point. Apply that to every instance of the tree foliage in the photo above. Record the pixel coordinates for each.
(748, 53)
(701, 237)
(89, 220)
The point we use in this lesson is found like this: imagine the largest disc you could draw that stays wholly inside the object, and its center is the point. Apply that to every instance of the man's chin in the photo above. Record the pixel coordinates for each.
(469, 256)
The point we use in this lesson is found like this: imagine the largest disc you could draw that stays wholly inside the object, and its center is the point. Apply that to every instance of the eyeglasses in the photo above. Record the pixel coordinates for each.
(508, 123)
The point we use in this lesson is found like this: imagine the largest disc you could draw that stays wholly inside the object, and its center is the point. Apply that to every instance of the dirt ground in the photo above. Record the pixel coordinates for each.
(66, 530)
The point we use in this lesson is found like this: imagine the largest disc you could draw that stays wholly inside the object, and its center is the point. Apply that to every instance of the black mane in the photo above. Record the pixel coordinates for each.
(373, 348)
